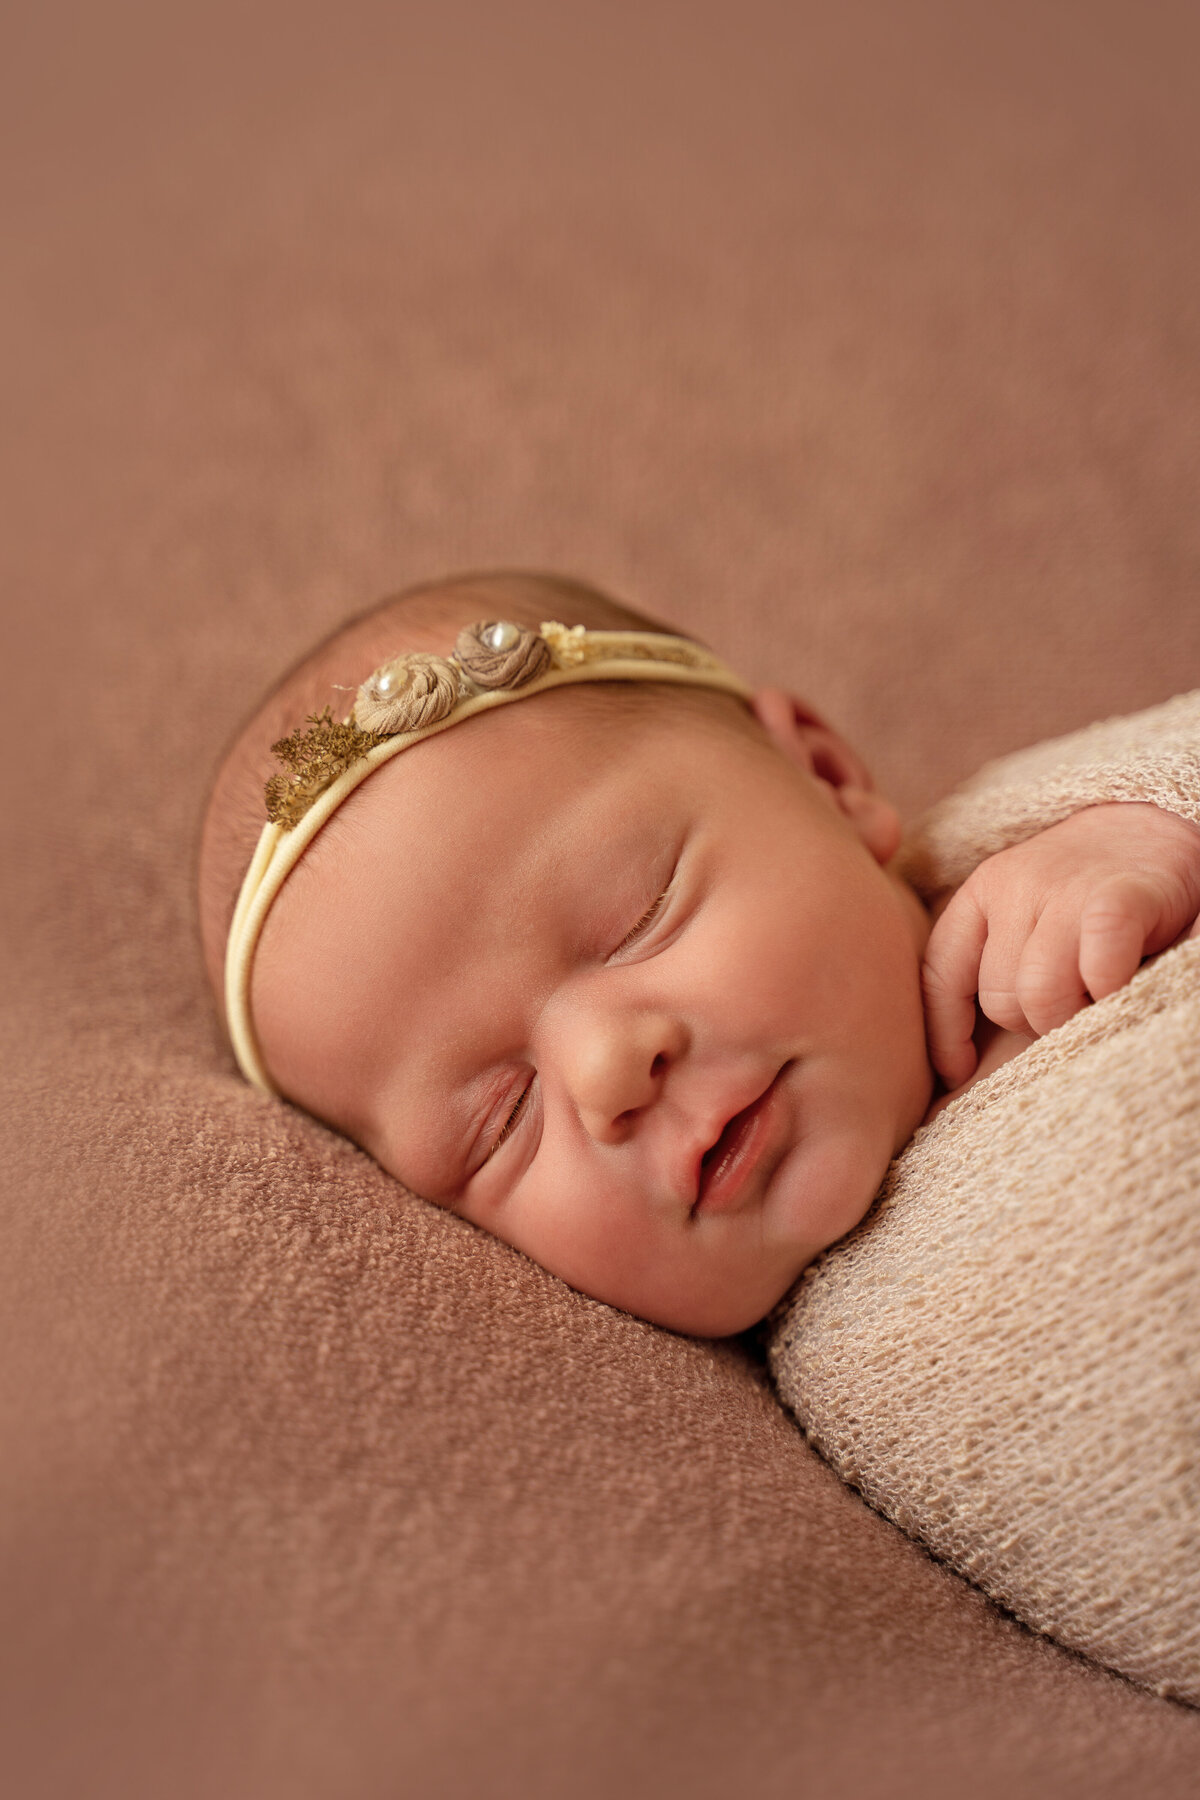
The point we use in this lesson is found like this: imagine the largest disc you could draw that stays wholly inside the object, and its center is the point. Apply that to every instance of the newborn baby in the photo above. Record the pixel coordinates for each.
(623, 972)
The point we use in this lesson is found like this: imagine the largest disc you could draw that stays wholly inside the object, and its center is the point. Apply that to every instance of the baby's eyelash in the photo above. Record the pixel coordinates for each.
(509, 1123)
(646, 919)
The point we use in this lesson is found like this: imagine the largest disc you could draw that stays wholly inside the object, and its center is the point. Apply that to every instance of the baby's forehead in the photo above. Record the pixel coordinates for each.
(516, 763)
(508, 793)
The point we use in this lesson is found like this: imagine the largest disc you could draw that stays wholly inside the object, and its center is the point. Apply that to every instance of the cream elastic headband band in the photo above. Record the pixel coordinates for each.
(408, 699)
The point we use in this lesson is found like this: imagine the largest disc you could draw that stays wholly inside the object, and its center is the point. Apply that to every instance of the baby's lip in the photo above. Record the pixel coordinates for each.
(723, 1170)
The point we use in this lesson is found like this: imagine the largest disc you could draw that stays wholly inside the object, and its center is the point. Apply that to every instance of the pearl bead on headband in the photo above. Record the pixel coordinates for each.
(405, 700)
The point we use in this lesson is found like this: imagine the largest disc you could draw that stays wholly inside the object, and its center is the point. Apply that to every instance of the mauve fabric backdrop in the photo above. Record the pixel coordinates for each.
(862, 341)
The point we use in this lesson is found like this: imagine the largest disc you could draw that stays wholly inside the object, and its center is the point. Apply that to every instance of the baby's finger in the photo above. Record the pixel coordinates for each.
(1113, 929)
(1050, 987)
(1000, 967)
(949, 978)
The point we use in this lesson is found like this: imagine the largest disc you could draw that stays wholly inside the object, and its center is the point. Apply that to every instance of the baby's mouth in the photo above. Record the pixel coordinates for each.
(727, 1165)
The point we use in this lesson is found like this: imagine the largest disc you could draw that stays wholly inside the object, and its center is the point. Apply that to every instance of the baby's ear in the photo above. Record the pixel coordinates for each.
(806, 740)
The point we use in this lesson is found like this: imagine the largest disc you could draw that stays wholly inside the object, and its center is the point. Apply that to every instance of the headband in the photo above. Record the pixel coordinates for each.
(405, 700)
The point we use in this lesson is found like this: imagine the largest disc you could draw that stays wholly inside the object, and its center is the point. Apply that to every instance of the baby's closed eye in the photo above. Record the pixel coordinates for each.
(647, 919)
(512, 1119)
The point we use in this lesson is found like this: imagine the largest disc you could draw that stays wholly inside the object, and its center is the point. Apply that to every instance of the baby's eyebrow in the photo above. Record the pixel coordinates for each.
(441, 1175)
(450, 1156)
(445, 1189)
(427, 1159)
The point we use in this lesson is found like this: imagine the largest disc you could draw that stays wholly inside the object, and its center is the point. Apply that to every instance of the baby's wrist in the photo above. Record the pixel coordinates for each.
(1142, 824)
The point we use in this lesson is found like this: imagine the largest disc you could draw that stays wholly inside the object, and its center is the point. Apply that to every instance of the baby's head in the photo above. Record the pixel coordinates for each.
(619, 972)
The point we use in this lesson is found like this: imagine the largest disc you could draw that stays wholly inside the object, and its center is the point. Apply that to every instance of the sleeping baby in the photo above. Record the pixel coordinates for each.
(586, 941)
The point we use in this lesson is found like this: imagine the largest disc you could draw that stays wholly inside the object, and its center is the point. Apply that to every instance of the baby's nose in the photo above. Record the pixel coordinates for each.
(615, 1066)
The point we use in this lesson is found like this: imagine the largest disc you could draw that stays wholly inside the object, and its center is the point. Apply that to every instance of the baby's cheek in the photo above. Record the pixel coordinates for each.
(580, 1224)
(752, 964)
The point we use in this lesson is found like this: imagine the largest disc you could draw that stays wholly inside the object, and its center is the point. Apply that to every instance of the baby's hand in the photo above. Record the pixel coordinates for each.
(1067, 914)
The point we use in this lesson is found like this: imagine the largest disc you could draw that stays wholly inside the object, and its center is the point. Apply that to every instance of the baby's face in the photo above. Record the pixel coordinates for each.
(618, 983)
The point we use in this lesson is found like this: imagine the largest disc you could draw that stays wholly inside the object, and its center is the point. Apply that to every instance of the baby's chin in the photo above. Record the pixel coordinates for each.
(825, 1186)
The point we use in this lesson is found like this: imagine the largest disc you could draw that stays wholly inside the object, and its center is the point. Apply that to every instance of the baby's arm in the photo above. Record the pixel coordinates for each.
(1069, 913)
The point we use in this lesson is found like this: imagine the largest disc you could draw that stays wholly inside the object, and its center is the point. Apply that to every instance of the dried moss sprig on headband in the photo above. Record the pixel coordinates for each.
(316, 758)
(406, 699)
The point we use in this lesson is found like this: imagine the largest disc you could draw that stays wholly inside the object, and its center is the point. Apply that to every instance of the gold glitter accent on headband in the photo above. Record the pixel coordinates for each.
(316, 758)
(567, 642)
(572, 645)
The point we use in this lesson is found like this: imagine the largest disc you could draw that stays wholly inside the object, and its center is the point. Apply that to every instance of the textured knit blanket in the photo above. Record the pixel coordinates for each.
(1004, 1357)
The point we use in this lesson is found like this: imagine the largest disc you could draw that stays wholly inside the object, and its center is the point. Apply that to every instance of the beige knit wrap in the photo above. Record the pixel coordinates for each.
(1005, 1356)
